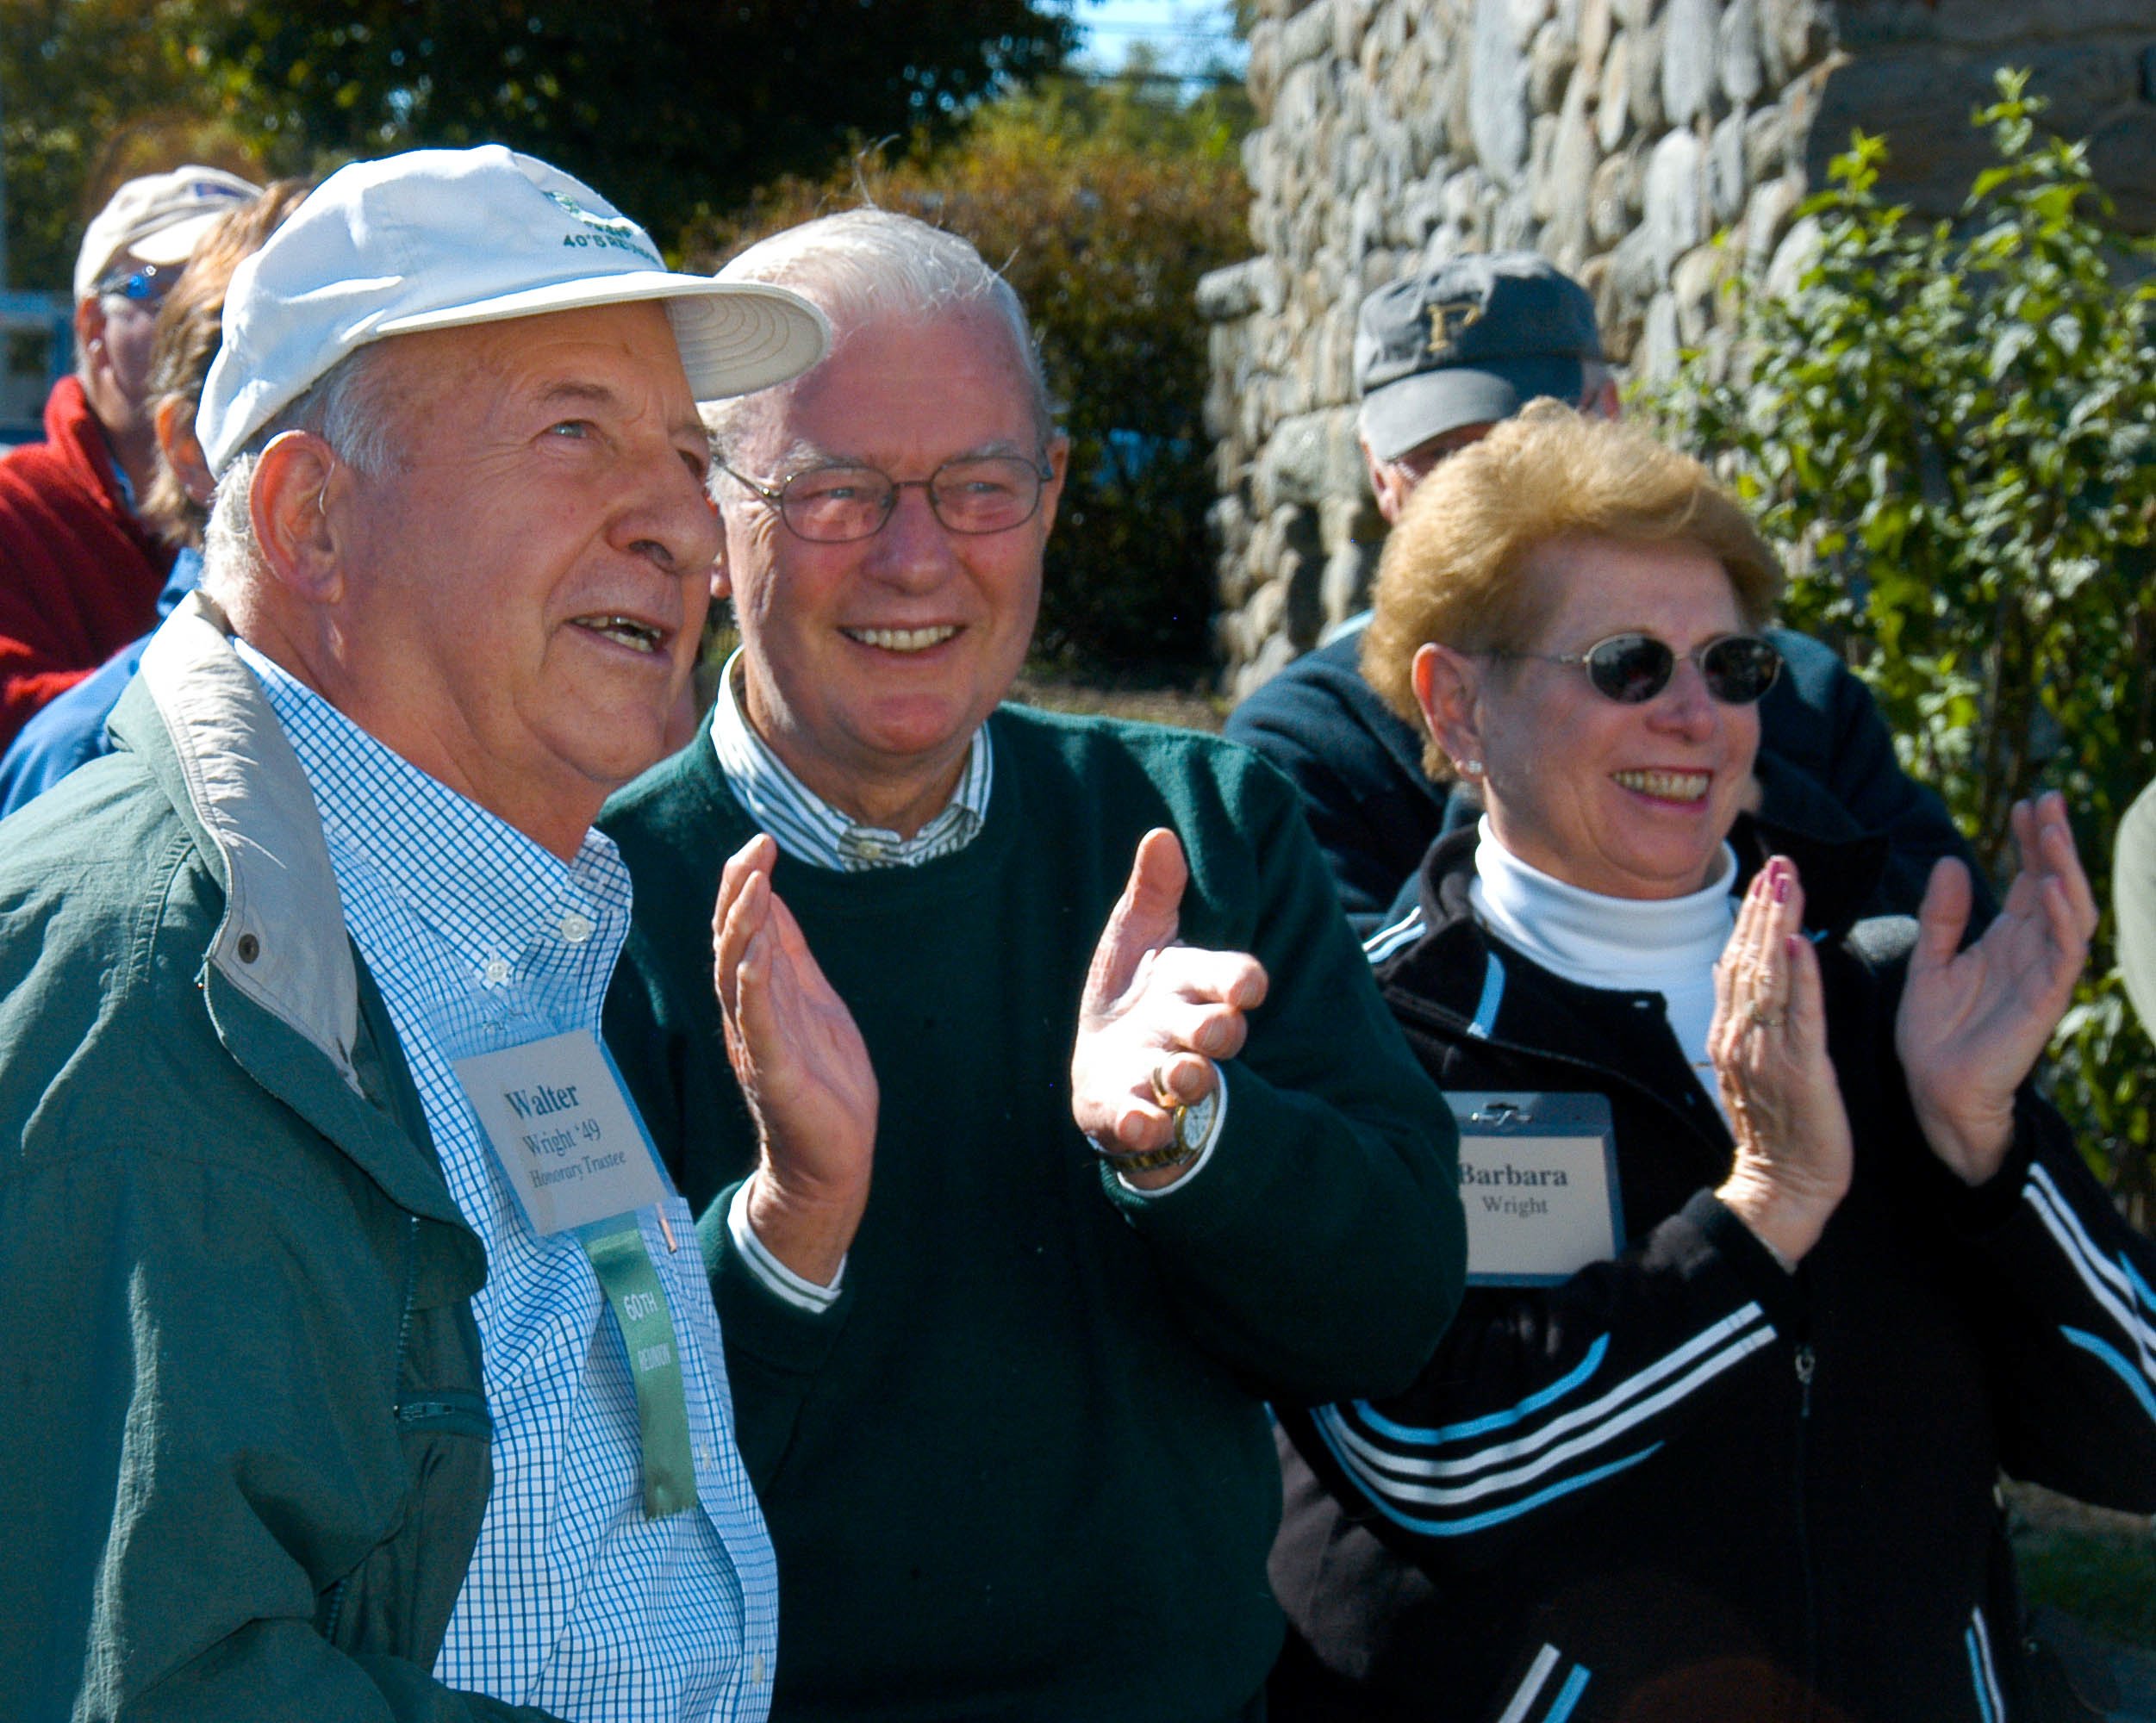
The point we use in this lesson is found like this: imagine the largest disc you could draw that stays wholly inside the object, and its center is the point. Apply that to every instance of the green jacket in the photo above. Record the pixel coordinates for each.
(245, 1451)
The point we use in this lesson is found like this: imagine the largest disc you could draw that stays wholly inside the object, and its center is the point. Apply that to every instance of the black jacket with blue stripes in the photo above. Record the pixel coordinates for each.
(1685, 1484)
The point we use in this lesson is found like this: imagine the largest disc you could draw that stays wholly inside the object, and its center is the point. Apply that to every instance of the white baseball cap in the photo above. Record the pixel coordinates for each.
(159, 218)
(443, 238)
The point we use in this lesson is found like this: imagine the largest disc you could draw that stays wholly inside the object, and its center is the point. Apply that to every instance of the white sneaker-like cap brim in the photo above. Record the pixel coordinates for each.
(734, 338)
(175, 244)
(159, 218)
(447, 238)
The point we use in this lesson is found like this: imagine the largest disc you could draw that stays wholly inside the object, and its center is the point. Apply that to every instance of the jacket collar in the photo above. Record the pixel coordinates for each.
(198, 719)
(1462, 983)
(73, 431)
(280, 981)
(1445, 960)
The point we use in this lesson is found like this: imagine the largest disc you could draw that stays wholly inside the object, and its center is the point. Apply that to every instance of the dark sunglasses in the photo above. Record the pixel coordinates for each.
(1632, 669)
(147, 285)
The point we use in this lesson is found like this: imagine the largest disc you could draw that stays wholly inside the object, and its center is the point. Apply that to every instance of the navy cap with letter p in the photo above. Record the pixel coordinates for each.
(1467, 342)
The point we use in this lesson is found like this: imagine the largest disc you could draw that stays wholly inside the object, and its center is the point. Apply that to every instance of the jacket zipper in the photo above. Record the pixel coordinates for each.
(337, 1591)
(336, 1609)
(411, 1294)
(1807, 1362)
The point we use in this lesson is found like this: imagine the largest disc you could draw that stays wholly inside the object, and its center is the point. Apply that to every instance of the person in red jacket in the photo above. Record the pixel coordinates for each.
(79, 571)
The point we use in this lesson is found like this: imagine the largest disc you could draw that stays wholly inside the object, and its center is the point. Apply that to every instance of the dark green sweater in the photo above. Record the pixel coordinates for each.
(1022, 1469)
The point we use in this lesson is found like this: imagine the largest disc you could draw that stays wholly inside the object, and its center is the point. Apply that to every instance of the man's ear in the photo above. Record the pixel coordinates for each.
(90, 331)
(1446, 686)
(290, 504)
(1058, 453)
(176, 442)
(1388, 484)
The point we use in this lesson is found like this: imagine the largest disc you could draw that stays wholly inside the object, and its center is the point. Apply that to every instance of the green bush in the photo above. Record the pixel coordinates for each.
(1104, 235)
(1951, 428)
(2108, 1584)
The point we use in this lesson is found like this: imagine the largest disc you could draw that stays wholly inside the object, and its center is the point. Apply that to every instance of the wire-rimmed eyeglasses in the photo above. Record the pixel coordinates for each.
(972, 494)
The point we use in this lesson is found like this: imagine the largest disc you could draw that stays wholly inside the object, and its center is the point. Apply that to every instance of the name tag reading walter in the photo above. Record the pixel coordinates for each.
(569, 1140)
(1538, 1181)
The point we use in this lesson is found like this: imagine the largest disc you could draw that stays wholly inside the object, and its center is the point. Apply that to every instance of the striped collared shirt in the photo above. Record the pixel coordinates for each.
(807, 828)
(481, 940)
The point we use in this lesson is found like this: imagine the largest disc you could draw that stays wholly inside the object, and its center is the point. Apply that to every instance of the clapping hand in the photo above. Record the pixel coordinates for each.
(1972, 1022)
(803, 1069)
(1768, 1041)
(1155, 1014)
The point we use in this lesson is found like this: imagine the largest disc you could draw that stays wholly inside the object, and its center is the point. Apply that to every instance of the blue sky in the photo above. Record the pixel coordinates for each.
(1184, 32)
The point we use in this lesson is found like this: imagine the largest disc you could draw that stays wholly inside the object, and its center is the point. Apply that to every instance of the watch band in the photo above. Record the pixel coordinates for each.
(1194, 1124)
(1179, 1152)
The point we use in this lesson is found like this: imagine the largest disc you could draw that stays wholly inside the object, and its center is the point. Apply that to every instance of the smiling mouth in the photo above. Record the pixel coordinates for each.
(1669, 787)
(626, 630)
(903, 639)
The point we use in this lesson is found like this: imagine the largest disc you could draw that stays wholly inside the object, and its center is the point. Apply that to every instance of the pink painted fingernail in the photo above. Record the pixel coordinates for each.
(1781, 886)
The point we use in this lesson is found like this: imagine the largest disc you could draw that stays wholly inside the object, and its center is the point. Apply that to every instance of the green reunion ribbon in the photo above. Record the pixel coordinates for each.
(631, 1283)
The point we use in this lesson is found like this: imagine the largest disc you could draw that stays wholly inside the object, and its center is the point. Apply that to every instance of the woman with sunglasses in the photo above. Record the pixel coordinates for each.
(1775, 1260)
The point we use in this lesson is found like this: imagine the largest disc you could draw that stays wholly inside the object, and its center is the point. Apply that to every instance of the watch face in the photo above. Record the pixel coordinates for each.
(1194, 1124)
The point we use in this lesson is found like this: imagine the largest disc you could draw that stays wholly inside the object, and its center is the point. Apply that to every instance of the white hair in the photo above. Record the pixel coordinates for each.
(870, 265)
(347, 409)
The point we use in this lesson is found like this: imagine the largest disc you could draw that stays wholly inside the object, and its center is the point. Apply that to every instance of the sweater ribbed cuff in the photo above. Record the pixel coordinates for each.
(797, 1289)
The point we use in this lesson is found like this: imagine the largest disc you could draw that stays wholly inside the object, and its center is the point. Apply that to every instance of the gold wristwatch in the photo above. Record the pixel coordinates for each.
(1192, 1125)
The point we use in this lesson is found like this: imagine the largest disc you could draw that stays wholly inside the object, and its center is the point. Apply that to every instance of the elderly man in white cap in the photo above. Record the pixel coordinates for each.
(360, 1362)
(83, 571)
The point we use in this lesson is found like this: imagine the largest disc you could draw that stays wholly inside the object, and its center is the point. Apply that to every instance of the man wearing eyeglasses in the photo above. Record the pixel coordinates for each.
(83, 571)
(1062, 1125)
(1440, 356)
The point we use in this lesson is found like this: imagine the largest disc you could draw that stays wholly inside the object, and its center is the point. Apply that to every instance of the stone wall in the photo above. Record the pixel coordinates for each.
(1615, 136)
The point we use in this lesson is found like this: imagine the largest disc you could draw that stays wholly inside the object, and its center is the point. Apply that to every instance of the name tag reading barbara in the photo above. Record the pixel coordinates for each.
(570, 1142)
(1538, 1180)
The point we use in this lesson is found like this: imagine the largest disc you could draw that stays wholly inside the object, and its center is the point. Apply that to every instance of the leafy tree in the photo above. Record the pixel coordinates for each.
(1102, 209)
(1953, 427)
(92, 91)
(1126, 113)
(670, 109)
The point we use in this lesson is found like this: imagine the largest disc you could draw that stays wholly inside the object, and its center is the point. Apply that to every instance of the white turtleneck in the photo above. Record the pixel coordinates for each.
(1663, 945)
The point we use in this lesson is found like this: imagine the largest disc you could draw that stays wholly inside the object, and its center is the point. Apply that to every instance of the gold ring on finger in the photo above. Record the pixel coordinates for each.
(1763, 1019)
(1164, 1096)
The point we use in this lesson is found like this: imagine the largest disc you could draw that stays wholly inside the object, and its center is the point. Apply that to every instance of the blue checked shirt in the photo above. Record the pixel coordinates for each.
(574, 1602)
